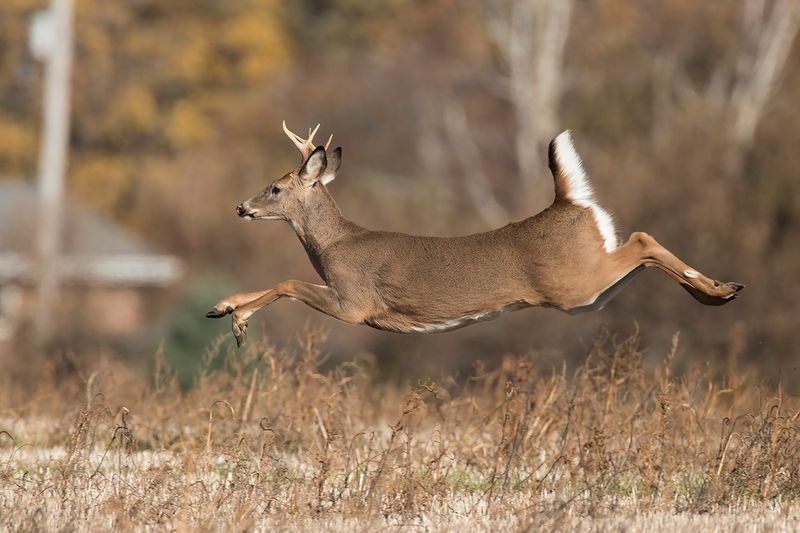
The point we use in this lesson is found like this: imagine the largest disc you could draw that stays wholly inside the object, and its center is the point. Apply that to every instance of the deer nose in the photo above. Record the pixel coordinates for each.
(240, 210)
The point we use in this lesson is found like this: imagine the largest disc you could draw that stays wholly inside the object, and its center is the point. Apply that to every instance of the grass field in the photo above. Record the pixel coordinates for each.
(273, 442)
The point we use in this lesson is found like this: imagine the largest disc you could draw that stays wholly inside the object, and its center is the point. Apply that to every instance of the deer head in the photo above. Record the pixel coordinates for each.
(287, 198)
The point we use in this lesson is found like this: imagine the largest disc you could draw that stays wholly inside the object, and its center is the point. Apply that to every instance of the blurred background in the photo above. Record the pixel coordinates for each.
(130, 129)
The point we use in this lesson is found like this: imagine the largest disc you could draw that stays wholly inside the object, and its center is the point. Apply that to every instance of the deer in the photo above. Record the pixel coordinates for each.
(566, 257)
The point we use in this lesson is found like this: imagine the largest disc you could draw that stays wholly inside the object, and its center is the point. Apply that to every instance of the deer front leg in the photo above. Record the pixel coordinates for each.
(704, 289)
(320, 297)
(228, 305)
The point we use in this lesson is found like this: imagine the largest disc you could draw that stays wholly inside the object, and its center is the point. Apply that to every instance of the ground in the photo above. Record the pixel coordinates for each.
(273, 442)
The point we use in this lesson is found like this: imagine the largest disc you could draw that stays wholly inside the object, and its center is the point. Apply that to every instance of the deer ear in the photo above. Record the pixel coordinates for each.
(334, 163)
(313, 168)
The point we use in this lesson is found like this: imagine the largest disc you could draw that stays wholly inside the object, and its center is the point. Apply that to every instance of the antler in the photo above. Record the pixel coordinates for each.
(306, 146)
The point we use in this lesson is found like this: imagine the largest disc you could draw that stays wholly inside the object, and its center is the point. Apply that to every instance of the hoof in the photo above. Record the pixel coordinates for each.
(709, 299)
(240, 333)
(736, 287)
(219, 313)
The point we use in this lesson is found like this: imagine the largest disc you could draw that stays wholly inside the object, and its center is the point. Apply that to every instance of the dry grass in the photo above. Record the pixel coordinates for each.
(276, 443)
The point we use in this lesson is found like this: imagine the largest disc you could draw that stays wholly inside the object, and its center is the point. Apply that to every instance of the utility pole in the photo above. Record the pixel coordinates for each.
(51, 41)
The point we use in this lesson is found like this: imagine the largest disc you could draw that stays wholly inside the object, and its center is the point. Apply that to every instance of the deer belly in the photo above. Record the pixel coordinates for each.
(406, 324)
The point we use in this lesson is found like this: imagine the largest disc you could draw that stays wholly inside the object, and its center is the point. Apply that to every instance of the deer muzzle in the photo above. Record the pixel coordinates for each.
(243, 211)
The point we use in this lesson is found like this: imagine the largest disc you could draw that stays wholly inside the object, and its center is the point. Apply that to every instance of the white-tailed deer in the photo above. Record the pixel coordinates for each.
(565, 257)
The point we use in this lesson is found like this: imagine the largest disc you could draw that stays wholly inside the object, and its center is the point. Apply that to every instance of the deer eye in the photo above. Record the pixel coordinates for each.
(275, 190)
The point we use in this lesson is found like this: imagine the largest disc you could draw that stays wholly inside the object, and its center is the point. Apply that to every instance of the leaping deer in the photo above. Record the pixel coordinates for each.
(566, 257)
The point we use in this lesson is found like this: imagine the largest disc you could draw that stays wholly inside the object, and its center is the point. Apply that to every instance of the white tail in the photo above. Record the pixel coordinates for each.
(566, 257)
(572, 184)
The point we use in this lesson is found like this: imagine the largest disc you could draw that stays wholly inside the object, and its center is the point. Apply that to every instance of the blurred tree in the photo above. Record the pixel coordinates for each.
(150, 79)
(444, 109)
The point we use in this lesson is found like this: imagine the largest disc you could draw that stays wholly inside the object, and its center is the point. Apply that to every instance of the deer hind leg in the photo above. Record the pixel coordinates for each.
(622, 275)
(642, 251)
(704, 289)
(320, 297)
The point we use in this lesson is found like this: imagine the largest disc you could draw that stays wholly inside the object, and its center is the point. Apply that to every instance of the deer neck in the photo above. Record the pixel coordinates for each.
(320, 224)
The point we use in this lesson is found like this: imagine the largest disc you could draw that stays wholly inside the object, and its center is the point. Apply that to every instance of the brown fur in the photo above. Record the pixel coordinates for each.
(406, 283)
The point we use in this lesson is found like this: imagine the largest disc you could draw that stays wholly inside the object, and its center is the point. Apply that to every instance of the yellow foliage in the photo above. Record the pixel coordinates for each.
(147, 76)
(101, 179)
(190, 56)
(17, 146)
(23, 5)
(187, 125)
(134, 110)
(261, 41)
(99, 28)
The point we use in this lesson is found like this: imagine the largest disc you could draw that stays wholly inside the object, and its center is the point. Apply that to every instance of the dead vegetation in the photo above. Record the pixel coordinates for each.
(273, 441)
